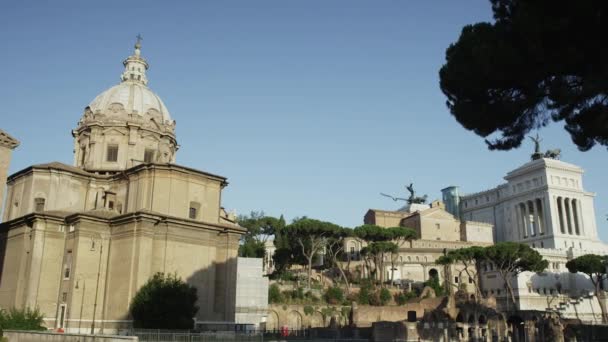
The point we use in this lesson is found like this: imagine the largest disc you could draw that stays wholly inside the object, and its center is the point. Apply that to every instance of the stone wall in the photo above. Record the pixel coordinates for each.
(297, 317)
(36, 336)
(365, 315)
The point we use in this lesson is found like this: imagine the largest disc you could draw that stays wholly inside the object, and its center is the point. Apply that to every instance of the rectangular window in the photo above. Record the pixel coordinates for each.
(67, 267)
(456, 280)
(149, 156)
(192, 213)
(437, 225)
(39, 204)
(61, 321)
(112, 153)
(470, 280)
(193, 210)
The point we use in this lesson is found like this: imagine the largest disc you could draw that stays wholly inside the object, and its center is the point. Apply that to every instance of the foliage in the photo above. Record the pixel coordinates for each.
(308, 310)
(311, 237)
(403, 297)
(538, 61)
(433, 283)
(381, 241)
(21, 319)
(512, 258)
(595, 266)
(334, 295)
(385, 296)
(365, 293)
(259, 229)
(470, 257)
(251, 249)
(164, 302)
(274, 294)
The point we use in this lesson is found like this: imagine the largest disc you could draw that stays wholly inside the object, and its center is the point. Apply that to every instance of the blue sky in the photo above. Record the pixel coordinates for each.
(308, 107)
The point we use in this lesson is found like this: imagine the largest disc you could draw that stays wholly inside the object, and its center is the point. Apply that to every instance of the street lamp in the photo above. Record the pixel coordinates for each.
(97, 282)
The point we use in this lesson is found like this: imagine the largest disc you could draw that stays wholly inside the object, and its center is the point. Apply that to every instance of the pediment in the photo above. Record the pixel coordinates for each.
(115, 131)
(438, 214)
(150, 136)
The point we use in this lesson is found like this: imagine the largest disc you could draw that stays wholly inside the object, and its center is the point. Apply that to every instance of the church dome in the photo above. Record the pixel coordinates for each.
(126, 125)
(133, 97)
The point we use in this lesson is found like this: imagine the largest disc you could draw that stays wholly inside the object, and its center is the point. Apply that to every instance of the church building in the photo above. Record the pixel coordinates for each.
(78, 241)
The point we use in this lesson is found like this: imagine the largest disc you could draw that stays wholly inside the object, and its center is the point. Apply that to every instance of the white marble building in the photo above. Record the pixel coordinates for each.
(543, 204)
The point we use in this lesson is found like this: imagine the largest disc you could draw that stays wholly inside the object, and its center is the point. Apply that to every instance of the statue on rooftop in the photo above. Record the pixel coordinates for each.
(537, 153)
(413, 198)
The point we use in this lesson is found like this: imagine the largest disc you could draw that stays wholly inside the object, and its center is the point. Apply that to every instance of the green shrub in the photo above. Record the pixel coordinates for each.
(298, 293)
(334, 295)
(433, 283)
(164, 302)
(311, 298)
(384, 296)
(365, 295)
(308, 310)
(274, 294)
(21, 319)
(400, 298)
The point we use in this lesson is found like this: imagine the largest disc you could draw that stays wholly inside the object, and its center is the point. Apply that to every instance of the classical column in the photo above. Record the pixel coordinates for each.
(518, 222)
(576, 216)
(538, 218)
(522, 209)
(569, 218)
(547, 219)
(560, 215)
(579, 206)
(526, 212)
(534, 215)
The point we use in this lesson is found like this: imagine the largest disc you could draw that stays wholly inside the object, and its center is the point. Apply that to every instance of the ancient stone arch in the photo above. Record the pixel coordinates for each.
(294, 320)
(272, 321)
(317, 320)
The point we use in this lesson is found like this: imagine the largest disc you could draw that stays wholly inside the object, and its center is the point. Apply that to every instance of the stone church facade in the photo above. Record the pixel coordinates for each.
(79, 241)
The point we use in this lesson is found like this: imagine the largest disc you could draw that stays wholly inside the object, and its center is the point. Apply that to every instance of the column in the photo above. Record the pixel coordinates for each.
(548, 219)
(517, 221)
(576, 216)
(560, 215)
(534, 218)
(527, 219)
(580, 216)
(538, 217)
(524, 213)
(569, 217)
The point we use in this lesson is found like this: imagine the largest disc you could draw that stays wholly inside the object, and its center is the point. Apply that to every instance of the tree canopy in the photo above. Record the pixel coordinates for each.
(259, 228)
(538, 61)
(380, 242)
(595, 267)
(311, 237)
(512, 258)
(164, 302)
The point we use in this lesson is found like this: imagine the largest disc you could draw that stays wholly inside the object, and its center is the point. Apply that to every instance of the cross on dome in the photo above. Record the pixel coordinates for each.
(135, 66)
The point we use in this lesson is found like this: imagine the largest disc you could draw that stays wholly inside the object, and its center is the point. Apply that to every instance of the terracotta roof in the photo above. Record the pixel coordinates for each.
(7, 140)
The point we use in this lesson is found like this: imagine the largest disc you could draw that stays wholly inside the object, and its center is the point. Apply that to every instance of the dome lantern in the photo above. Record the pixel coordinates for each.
(135, 66)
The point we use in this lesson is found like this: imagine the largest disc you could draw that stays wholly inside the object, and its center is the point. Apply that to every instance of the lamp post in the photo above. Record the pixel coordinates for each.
(97, 283)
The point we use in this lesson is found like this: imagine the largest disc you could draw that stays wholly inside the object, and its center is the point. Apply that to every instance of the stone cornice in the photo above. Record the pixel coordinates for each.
(57, 167)
(543, 164)
(175, 167)
(7, 140)
(29, 219)
(125, 124)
